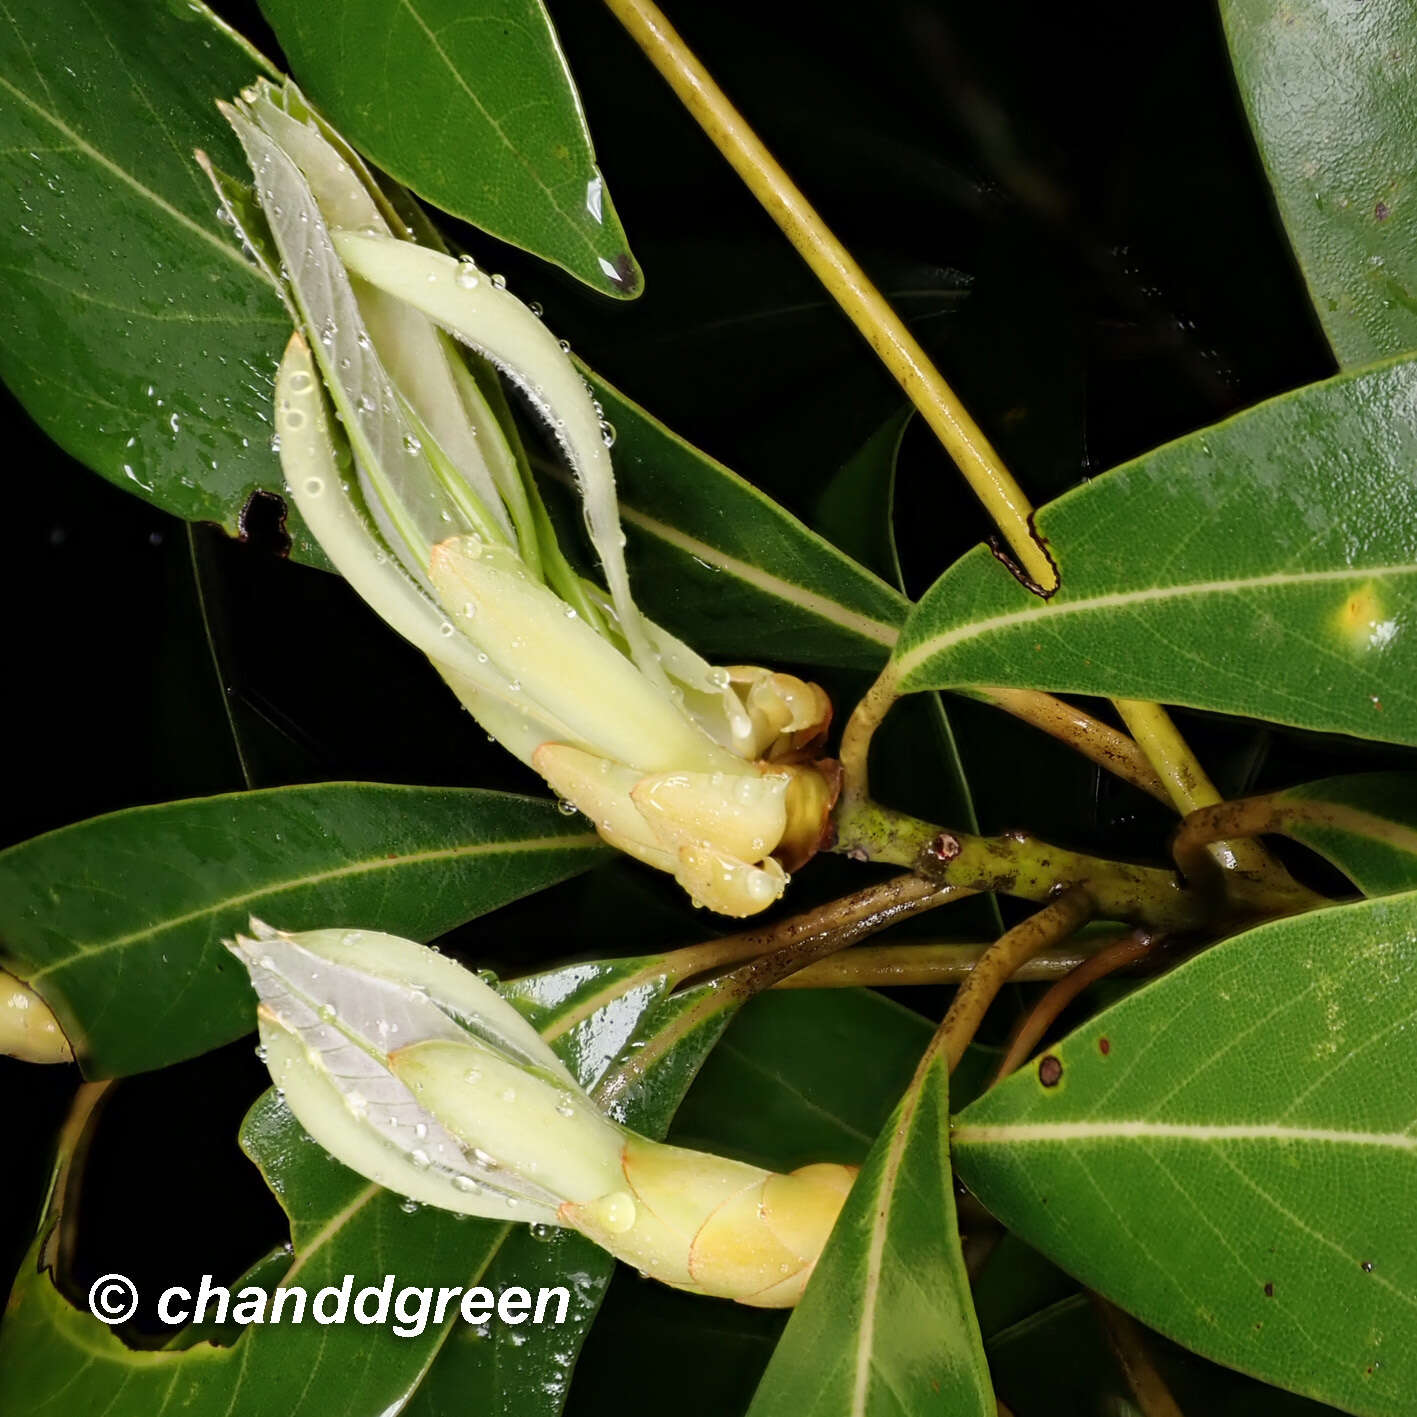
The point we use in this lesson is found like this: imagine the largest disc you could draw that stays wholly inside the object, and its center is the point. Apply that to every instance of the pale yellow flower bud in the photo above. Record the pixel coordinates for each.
(415, 1073)
(416, 496)
(28, 1028)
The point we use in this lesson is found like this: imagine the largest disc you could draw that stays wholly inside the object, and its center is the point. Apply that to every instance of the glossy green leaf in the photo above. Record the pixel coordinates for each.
(1266, 566)
(117, 922)
(886, 1325)
(472, 106)
(138, 336)
(1057, 1363)
(1331, 93)
(1369, 830)
(725, 566)
(1229, 1154)
(797, 1054)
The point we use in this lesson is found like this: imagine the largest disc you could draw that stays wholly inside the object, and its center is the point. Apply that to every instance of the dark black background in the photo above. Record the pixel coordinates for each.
(1065, 201)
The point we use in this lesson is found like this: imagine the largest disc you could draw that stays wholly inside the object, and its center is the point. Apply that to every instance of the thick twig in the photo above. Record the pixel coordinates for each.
(1050, 926)
(1121, 953)
(1018, 864)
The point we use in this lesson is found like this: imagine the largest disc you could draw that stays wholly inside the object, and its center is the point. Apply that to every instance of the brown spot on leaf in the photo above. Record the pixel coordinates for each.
(1104, 1046)
(627, 274)
(1050, 1070)
(1382, 211)
(1269, 1290)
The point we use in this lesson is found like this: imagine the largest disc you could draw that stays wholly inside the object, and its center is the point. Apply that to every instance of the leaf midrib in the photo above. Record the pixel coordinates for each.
(572, 224)
(913, 658)
(123, 175)
(1025, 1133)
(84, 950)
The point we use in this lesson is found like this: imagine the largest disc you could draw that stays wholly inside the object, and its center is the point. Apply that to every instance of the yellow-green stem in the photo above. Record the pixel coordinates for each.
(848, 284)
(928, 962)
(1020, 864)
(1050, 926)
(855, 750)
(1080, 731)
(1185, 779)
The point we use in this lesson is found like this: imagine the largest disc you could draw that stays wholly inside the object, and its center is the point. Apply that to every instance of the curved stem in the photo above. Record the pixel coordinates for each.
(861, 727)
(1185, 779)
(1050, 926)
(1096, 740)
(848, 284)
(1119, 954)
(1193, 845)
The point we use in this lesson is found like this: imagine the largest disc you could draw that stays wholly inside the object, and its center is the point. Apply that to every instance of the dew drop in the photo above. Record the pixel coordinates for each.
(616, 1211)
(314, 486)
(500, 281)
